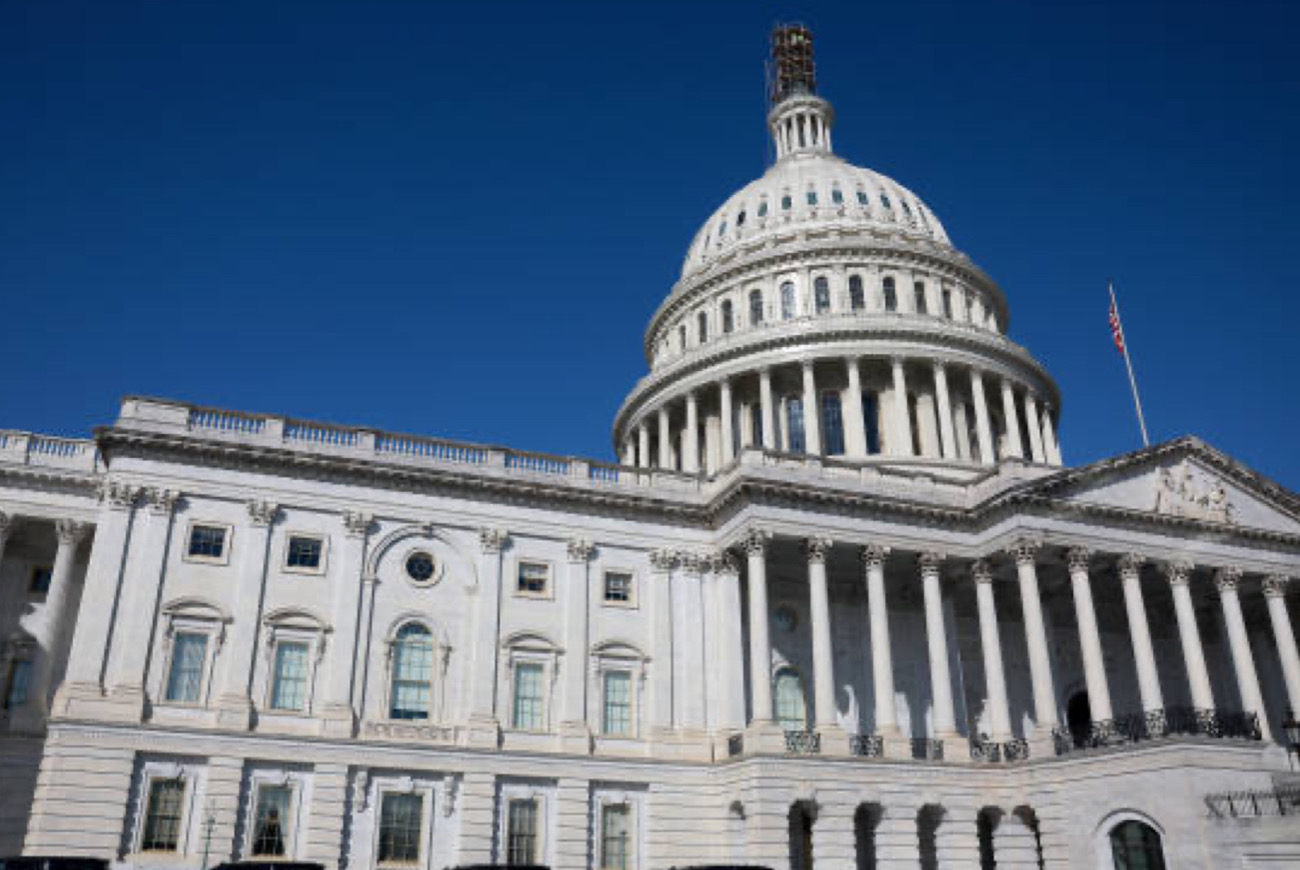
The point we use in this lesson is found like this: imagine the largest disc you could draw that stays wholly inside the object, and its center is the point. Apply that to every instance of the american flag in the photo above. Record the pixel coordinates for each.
(1115, 328)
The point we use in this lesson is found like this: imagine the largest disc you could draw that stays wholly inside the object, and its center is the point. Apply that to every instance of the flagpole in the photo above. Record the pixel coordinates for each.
(1137, 402)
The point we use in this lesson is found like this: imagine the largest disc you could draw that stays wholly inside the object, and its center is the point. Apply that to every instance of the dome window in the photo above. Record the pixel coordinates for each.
(722, 232)
(919, 290)
(681, 336)
(884, 200)
(703, 332)
(786, 202)
(947, 304)
(762, 209)
(728, 321)
(857, 301)
(755, 307)
(822, 295)
(787, 300)
(812, 197)
(906, 208)
(740, 220)
(891, 295)
(862, 198)
(837, 196)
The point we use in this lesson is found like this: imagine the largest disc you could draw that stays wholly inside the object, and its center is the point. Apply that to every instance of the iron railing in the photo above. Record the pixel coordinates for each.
(803, 743)
(927, 749)
(867, 745)
(736, 745)
(1155, 724)
(1277, 801)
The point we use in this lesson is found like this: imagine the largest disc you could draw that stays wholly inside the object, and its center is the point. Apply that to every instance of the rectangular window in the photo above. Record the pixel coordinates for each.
(615, 837)
(412, 676)
(836, 196)
(533, 577)
(527, 713)
(207, 542)
(400, 819)
(40, 582)
(521, 832)
(618, 587)
(304, 553)
(947, 304)
(618, 704)
(20, 676)
(871, 419)
(756, 423)
(289, 690)
(162, 816)
(271, 826)
(189, 653)
(812, 197)
(832, 424)
(794, 424)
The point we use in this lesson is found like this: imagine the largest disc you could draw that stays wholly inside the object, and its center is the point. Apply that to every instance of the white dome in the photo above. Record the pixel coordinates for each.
(811, 191)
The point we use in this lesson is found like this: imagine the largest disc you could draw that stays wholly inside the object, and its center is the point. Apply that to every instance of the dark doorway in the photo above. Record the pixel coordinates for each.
(864, 831)
(1078, 717)
(801, 843)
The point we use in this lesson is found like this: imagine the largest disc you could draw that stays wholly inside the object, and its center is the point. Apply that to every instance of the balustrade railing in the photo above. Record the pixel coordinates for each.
(27, 448)
(985, 750)
(867, 745)
(1278, 801)
(735, 745)
(803, 743)
(213, 420)
(927, 749)
(1155, 724)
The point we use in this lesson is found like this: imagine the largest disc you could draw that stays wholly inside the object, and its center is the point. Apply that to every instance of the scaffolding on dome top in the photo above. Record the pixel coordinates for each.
(790, 69)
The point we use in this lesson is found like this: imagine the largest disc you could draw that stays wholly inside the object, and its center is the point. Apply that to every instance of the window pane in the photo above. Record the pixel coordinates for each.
(270, 825)
(162, 818)
(40, 581)
(822, 294)
(755, 308)
(304, 552)
(618, 703)
(207, 541)
(521, 832)
(787, 300)
(832, 424)
(20, 675)
(615, 841)
(533, 575)
(412, 673)
(871, 419)
(794, 424)
(189, 652)
(727, 321)
(528, 697)
(618, 586)
(789, 702)
(290, 689)
(400, 817)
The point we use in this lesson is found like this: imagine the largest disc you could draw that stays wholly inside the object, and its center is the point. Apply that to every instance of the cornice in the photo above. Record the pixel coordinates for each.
(59, 480)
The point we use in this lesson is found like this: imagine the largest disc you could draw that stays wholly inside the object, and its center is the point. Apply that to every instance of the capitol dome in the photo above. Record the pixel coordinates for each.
(822, 311)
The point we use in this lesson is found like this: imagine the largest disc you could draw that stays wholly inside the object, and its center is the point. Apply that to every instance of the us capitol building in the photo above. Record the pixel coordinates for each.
(840, 604)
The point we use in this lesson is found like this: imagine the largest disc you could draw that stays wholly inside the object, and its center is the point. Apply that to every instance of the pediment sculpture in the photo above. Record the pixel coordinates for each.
(1180, 494)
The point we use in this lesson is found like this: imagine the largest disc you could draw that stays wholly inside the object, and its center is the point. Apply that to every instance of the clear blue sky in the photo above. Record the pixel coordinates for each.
(456, 219)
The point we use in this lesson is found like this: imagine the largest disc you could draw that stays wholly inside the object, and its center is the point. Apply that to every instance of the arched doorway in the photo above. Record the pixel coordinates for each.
(1135, 845)
(1078, 718)
(865, 821)
(801, 836)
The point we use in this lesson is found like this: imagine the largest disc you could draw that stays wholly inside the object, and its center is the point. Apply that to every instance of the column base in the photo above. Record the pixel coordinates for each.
(482, 731)
(896, 747)
(575, 738)
(30, 718)
(834, 741)
(338, 720)
(234, 713)
(684, 744)
(89, 701)
(764, 738)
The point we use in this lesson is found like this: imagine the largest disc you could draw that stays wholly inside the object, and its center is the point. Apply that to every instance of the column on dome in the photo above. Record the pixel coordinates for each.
(983, 431)
(927, 424)
(575, 736)
(53, 629)
(727, 422)
(760, 644)
(1051, 446)
(812, 430)
(767, 411)
(816, 550)
(961, 422)
(1094, 663)
(691, 436)
(882, 666)
(995, 678)
(665, 440)
(1144, 656)
(902, 440)
(235, 674)
(946, 435)
(936, 635)
(1179, 575)
(1040, 666)
(628, 456)
(339, 713)
(712, 459)
(855, 433)
(1036, 449)
(1011, 420)
(1226, 580)
(643, 445)
(1275, 588)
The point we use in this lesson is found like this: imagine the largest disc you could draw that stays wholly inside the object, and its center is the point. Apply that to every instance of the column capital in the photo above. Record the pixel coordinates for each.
(817, 548)
(873, 556)
(940, 366)
(1227, 579)
(896, 360)
(262, 513)
(492, 540)
(1078, 559)
(117, 495)
(1024, 551)
(807, 363)
(1275, 585)
(981, 573)
(929, 562)
(1130, 564)
(161, 501)
(663, 559)
(71, 532)
(724, 562)
(692, 562)
(755, 541)
(1178, 572)
(356, 524)
(579, 550)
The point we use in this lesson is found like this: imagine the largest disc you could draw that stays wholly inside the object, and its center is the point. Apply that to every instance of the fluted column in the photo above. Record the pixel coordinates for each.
(902, 413)
(1050, 445)
(983, 431)
(1226, 581)
(661, 640)
(812, 425)
(1144, 656)
(727, 422)
(1179, 575)
(882, 665)
(855, 433)
(819, 606)
(235, 673)
(1011, 420)
(691, 436)
(484, 728)
(728, 619)
(643, 445)
(767, 413)
(760, 645)
(947, 437)
(573, 707)
(995, 678)
(1284, 636)
(339, 715)
(665, 440)
(936, 634)
(1040, 665)
(1035, 434)
(70, 534)
(1085, 615)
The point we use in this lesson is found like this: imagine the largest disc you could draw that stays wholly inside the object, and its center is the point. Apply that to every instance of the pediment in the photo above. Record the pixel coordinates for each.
(1185, 480)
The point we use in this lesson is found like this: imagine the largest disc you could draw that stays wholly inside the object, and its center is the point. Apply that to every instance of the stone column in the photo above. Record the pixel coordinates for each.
(575, 736)
(947, 436)
(882, 665)
(819, 608)
(812, 428)
(53, 630)
(855, 433)
(1050, 445)
(962, 424)
(1094, 663)
(1226, 580)
(1179, 575)
(6, 526)
(665, 440)
(689, 681)
(138, 610)
(661, 643)
(235, 673)
(1011, 420)
(643, 445)
(1284, 636)
(338, 715)
(484, 727)
(936, 634)
(1040, 665)
(983, 431)
(691, 436)
(995, 678)
(902, 412)
(760, 646)
(726, 573)
(767, 412)
(1130, 572)
(727, 422)
(1036, 447)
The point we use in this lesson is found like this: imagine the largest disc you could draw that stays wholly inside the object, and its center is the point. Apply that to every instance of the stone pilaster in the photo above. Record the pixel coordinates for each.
(484, 727)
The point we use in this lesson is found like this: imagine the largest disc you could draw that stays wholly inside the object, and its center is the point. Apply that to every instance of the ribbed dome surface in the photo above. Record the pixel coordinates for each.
(811, 191)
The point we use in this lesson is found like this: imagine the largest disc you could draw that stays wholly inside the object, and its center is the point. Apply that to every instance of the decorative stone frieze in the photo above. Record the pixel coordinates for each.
(579, 549)
(1077, 559)
(161, 501)
(816, 549)
(663, 560)
(873, 556)
(981, 573)
(118, 495)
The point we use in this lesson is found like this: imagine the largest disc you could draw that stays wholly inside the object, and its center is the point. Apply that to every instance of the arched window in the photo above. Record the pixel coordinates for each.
(832, 424)
(794, 425)
(412, 686)
(703, 331)
(722, 232)
(791, 712)
(786, 203)
(891, 296)
(812, 197)
(884, 200)
(740, 220)
(755, 307)
(947, 304)
(862, 198)
(837, 195)
(787, 300)
(857, 300)
(1136, 846)
(822, 295)
(681, 336)
(728, 321)
(919, 289)
(762, 207)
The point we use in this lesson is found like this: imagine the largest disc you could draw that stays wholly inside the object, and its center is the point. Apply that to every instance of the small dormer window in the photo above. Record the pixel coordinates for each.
(762, 209)
(786, 202)
(812, 197)
(740, 220)
(837, 196)
(722, 232)
(884, 200)
(703, 321)
(862, 198)
(906, 208)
